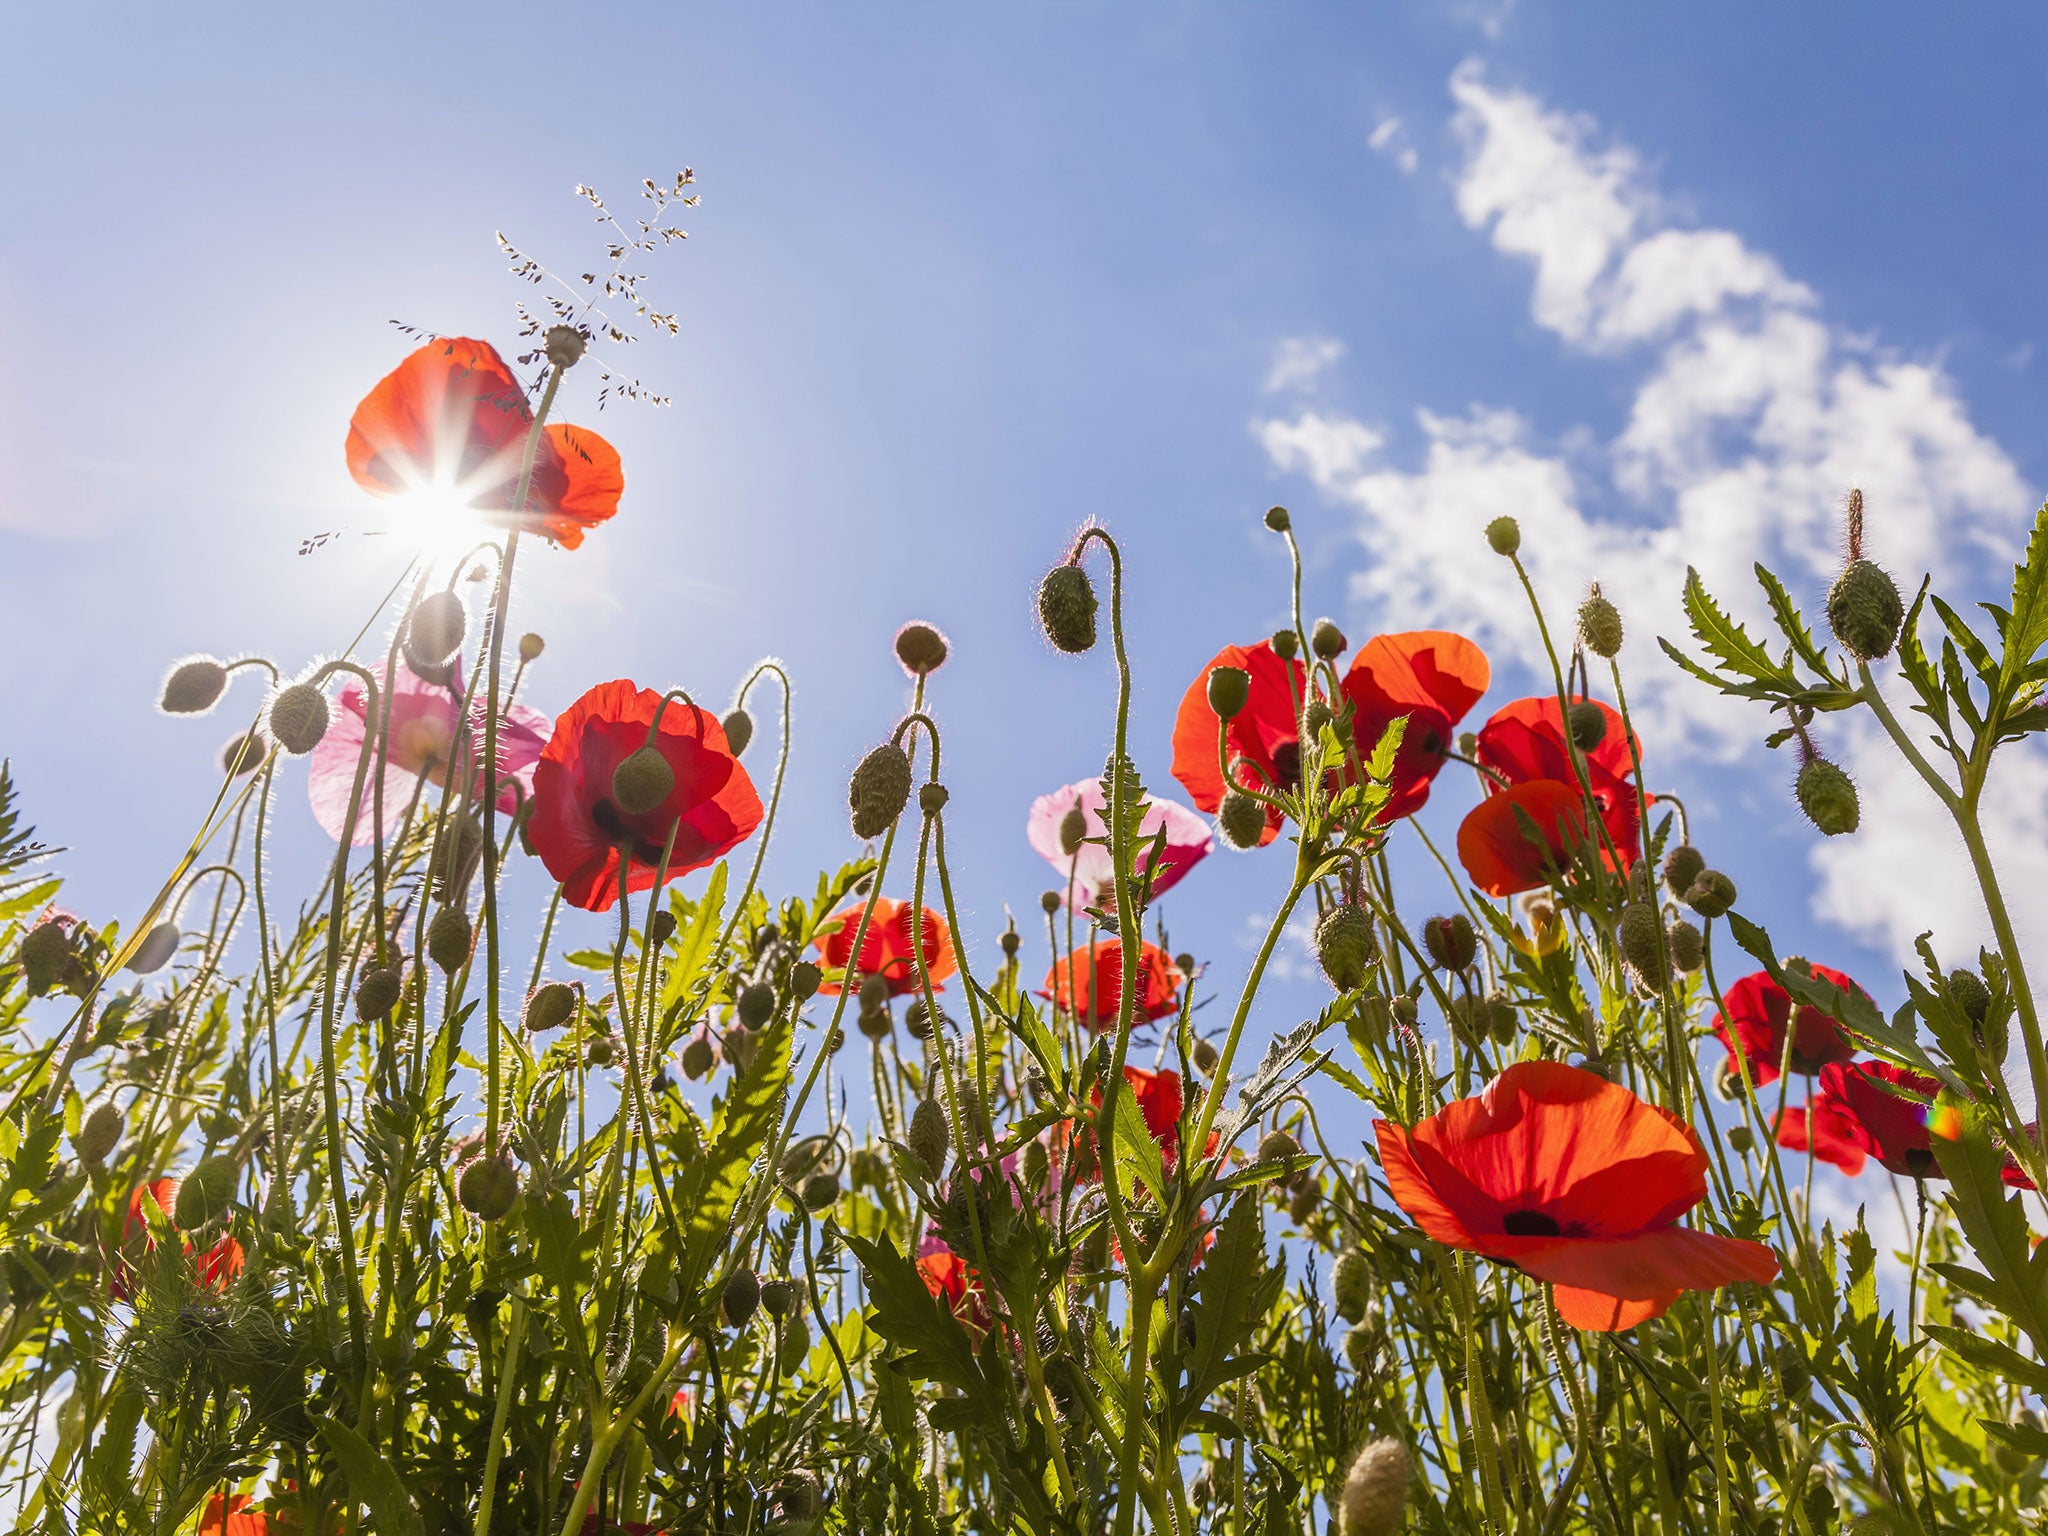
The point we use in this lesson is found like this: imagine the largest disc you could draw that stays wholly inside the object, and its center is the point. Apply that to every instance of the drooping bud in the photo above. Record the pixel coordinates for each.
(449, 939)
(488, 1187)
(1229, 690)
(1712, 894)
(244, 753)
(929, 1137)
(1073, 828)
(204, 1193)
(1049, 902)
(1275, 1147)
(1206, 1057)
(298, 718)
(699, 1057)
(1351, 1281)
(156, 950)
(1066, 609)
(1967, 991)
(46, 954)
(1362, 1346)
(1314, 716)
(755, 1005)
(549, 1006)
(642, 780)
(1326, 640)
(879, 790)
(378, 991)
(1588, 725)
(1504, 536)
(1278, 520)
(820, 1192)
(1687, 946)
(1286, 644)
(1375, 1492)
(921, 649)
(433, 631)
(1864, 611)
(1450, 942)
(1828, 796)
(777, 1297)
(99, 1135)
(1640, 937)
(874, 995)
(193, 687)
(1241, 820)
(741, 1296)
(1502, 1022)
(739, 730)
(798, 1497)
(564, 344)
(1682, 866)
(1600, 626)
(530, 647)
(1346, 945)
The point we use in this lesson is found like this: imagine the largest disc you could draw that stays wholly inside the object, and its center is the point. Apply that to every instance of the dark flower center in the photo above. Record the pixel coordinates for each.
(1530, 1224)
(613, 826)
(1920, 1162)
(1287, 765)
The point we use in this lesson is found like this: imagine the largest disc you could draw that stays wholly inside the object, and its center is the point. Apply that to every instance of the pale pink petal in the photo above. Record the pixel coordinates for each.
(1188, 841)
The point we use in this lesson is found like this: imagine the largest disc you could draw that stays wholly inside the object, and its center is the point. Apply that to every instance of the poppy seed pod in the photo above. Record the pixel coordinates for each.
(755, 1005)
(1712, 894)
(1286, 644)
(434, 630)
(699, 1057)
(1351, 1283)
(565, 344)
(1326, 640)
(488, 1187)
(1828, 796)
(204, 1193)
(193, 687)
(298, 718)
(1275, 1147)
(1450, 942)
(549, 1006)
(1640, 937)
(932, 798)
(156, 950)
(99, 1135)
(1241, 820)
(1967, 991)
(1600, 626)
(1073, 828)
(1278, 520)
(739, 730)
(530, 647)
(1588, 725)
(1504, 536)
(879, 790)
(1230, 688)
(1683, 865)
(1375, 1495)
(1739, 1139)
(1049, 902)
(1346, 945)
(449, 939)
(1066, 608)
(1686, 945)
(929, 1137)
(378, 991)
(642, 781)
(1864, 610)
(921, 649)
(244, 753)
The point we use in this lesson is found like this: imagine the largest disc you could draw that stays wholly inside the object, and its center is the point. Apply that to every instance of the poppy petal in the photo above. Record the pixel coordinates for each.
(1595, 1312)
(595, 480)
(1653, 1264)
(1500, 857)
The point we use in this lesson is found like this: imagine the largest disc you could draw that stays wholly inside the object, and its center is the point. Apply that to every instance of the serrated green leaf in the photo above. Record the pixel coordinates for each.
(1726, 640)
(1137, 1152)
(372, 1480)
(2026, 631)
(710, 1187)
(1980, 654)
(1790, 624)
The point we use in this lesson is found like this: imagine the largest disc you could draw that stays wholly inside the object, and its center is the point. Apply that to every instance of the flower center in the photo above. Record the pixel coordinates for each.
(1287, 765)
(420, 746)
(613, 826)
(1530, 1224)
(1920, 1162)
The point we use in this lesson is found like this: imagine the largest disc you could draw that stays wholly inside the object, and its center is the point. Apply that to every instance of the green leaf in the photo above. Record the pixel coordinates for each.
(1789, 621)
(2026, 631)
(1727, 641)
(1993, 1220)
(710, 1188)
(1136, 1150)
(371, 1480)
(1235, 1293)
(2001, 1360)
(936, 1345)
(1964, 636)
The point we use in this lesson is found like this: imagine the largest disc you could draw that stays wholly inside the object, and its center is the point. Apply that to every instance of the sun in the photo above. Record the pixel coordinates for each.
(441, 521)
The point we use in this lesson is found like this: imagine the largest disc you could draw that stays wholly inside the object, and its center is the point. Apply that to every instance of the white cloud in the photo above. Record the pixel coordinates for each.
(1391, 139)
(1299, 362)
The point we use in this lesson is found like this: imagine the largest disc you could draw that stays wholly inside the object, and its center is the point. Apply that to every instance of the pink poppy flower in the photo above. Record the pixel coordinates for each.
(424, 738)
(1188, 841)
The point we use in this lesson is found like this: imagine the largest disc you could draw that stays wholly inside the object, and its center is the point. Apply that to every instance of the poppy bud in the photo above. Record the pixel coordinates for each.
(1036, 1165)
(929, 1137)
(932, 798)
(156, 950)
(1588, 725)
(1688, 948)
(433, 631)
(449, 939)
(1276, 1146)
(921, 649)
(918, 1020)
(565, 344)
(1712, 894)
(244, 753)
(699, 1057)
(530, 647)
(795, 1346)
(1450, 942)
(741, 1296)
(205, 1193)
(1011, 942)
(804, 980)
(193, 687)
(1967, 991)
(739, 730)
(1241, 820)
(1326, 640)
(1314, 717)
(488, 1187)
(1278, 520)
(1206, 1057)
(1683, 865)
(378, 991)
(1504, 536)
(1740, 1140)
(1066, 608)
(1049, 902)
(662, 927)
(1640, 937)
(777, 1297)
(820, 1192)
(1302, 1204)
(1073, 828)
(1864, 611)
(739, 1046)
(1501, 1020)
(298, 718)
(1362, 1347)
(874, 995)
(1375, 1495)
(1346, 945)
(99, 1135)
(549, 1006)
(1827, 795)
(755, 1005)
(798, 1497)
(1600, 626)
(1286, 644)
(1351, 1281)
(879, 790)
(46, 954)
(1229, 690)
(642, 781)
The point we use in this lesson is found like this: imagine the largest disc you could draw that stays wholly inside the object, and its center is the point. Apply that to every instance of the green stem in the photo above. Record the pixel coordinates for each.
(508, 1372)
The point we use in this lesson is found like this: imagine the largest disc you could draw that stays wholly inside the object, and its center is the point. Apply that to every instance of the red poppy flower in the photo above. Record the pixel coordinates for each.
(1430, 676)
(215, 1269)
(953, 1280)
(1523, 748)
(1578, 1182)
(1090, 984)
(1760, 1010)
(234, 1517)
(1885, 1107)
(1263, 733)
(887, 950)
(1494, 844)
(451, 419)
(581, 835)
(1822, 1129)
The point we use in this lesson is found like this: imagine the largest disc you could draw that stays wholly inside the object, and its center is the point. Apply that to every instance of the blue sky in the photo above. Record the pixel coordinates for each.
(964, 277)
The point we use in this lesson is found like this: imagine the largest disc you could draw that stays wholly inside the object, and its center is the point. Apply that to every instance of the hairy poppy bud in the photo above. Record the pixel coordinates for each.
(1066, 608)
(879, 790)
(1351, 1281)
(918, 1019)
(1276, 1146)
(1036, 1164)
(1206, 1057)
(564, 344)
(699, 1057)
(932, 798)
(1688, 948)
(298, 718)
(1362, 1346)
(378, 991)
(433, 631)
(1504, 536)
(1241, 820)
(1600, 626)
(1302, 1204)
(244, 753)
(1864, 611)
(1450, 942)
(99, 1135)
(642, 781)
(739, 730)
(449, 939)
(1967, 991)
(804, 980)
(1375, 1492)
(1049, 902)
(1640, 937)
(777, 1297)
(1712, 894)
(1828, 796)
(921, 649)
(874, 995)
(1230, 688)
(205, 1193)
(46, 954)
(156, 950)
(1314, 716)
(549, 1006)
(820, 1191)
(1683, 865)
(1073, 828)
(1739, 1139)
(1501, 1020)
(798, 1497)
(488, 1187)
(193, 687)
(755, 1005)
(530, 647)
(929, 1137)
(1346, 945)
(1588, 725)
(1286, 644)
(1326, 640)
(741, 1296)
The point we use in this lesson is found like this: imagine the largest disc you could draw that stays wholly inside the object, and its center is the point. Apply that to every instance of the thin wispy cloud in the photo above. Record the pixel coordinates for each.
(1392, 139)
(1299, 362)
